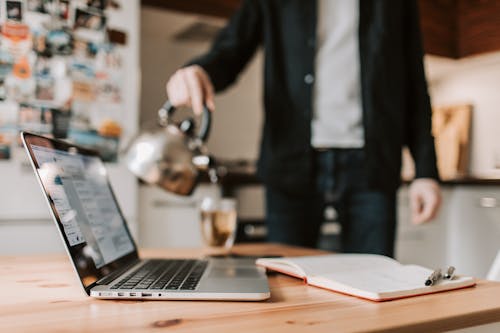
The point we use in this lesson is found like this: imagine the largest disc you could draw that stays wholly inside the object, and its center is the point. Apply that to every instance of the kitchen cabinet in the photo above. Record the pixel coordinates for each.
(168, 220)
(220, 8)
(450, 28)
(26, 225)
(423, 244)
(460, 28)
(474, 228)
(29, 237)
(466, 232)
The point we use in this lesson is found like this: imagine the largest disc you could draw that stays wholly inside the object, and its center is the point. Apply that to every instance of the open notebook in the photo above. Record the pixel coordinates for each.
(369, 276)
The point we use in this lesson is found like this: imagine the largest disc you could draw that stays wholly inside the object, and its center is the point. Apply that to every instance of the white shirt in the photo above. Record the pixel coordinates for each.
(337, 118)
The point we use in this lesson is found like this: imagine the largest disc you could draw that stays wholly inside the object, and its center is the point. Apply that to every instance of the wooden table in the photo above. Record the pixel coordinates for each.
(42, 294)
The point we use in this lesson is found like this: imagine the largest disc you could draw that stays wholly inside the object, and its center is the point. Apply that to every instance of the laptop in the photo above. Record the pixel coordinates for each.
(104, 255)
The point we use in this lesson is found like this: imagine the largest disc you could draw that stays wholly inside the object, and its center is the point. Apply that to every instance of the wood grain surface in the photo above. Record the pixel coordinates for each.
(460, 28)
(220, 8)
(450, 28)
(42, 294)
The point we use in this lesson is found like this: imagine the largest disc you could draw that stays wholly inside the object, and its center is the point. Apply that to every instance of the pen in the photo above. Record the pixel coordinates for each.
(450, 273)
(433, 278)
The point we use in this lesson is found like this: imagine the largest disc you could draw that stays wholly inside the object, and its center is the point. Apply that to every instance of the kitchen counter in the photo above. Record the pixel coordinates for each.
(42, 294)
(236, 173)
(470, 180)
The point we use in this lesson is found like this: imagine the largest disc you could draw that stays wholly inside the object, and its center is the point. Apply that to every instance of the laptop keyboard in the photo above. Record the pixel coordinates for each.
(165, 274)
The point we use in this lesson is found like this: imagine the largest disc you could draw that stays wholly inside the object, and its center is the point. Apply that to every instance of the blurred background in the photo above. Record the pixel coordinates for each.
(123, 54)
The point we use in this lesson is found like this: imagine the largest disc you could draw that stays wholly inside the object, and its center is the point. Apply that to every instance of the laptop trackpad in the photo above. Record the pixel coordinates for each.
(233, 272)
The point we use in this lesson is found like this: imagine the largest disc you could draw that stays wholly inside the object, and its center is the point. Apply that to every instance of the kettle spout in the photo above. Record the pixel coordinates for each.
(203, 162)
(207, 164)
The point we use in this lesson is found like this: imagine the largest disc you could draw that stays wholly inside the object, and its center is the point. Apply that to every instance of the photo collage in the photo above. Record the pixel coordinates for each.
(61, 73)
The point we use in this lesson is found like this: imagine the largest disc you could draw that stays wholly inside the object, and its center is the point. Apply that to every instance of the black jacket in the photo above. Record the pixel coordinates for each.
(396, 106)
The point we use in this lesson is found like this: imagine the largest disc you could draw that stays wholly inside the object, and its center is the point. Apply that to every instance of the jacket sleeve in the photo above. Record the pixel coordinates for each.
(234, 46)
(419, 112)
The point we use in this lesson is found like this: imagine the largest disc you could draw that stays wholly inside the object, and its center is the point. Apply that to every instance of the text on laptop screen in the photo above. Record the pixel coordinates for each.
(91, 221)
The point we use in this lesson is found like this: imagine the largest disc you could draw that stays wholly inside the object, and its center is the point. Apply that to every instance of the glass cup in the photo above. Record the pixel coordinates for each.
(218, 220)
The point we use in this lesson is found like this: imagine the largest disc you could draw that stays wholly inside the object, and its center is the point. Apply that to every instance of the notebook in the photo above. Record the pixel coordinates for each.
(367, 276)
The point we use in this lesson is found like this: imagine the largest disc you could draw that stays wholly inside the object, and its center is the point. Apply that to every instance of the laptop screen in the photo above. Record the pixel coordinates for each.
(84, 206)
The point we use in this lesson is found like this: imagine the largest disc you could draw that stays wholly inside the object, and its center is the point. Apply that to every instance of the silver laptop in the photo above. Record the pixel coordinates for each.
(99, 244)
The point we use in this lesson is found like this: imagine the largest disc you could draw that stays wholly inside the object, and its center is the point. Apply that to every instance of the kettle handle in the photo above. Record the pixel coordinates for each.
(206, 119)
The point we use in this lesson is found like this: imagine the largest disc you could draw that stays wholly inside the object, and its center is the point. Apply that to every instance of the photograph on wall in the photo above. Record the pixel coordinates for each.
(35, 6)
(88, 19)
(59, 42)
(45, 86)
(13, 10)
(20, 85)
(56, 8)
(6, 63)
(97, 4)
(16, 39)
(63, 9)
(8, 128)
(3, 91)
(60, 122)
(88, 24)
(96, 126)
(35, 118)
(107, 147)
(61, 72)
(39, 6)
(5, 145)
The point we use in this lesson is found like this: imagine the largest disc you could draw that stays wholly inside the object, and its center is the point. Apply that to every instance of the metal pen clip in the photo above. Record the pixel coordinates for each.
(450, 273)
(434, 277)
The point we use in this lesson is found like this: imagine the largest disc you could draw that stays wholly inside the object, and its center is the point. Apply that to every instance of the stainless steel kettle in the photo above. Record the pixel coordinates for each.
(172, 155)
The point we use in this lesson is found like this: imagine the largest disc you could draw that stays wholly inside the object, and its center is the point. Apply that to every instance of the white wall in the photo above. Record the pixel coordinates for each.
(237, 121)
(474, 80)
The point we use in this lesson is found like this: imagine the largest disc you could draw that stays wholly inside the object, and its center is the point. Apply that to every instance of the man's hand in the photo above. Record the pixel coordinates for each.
(191, 86)
(425, 200)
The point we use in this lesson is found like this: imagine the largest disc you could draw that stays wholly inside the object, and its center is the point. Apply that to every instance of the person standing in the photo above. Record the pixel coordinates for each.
(344, 91)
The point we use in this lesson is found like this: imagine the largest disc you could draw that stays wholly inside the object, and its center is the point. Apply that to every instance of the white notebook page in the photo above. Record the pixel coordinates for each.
(383, 280)
(337, 263)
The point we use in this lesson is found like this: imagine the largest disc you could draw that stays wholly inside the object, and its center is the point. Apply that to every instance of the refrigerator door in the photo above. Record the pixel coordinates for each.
(25, 222)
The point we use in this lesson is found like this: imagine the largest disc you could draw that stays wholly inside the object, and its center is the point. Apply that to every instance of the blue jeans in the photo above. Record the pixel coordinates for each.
(367, 217)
